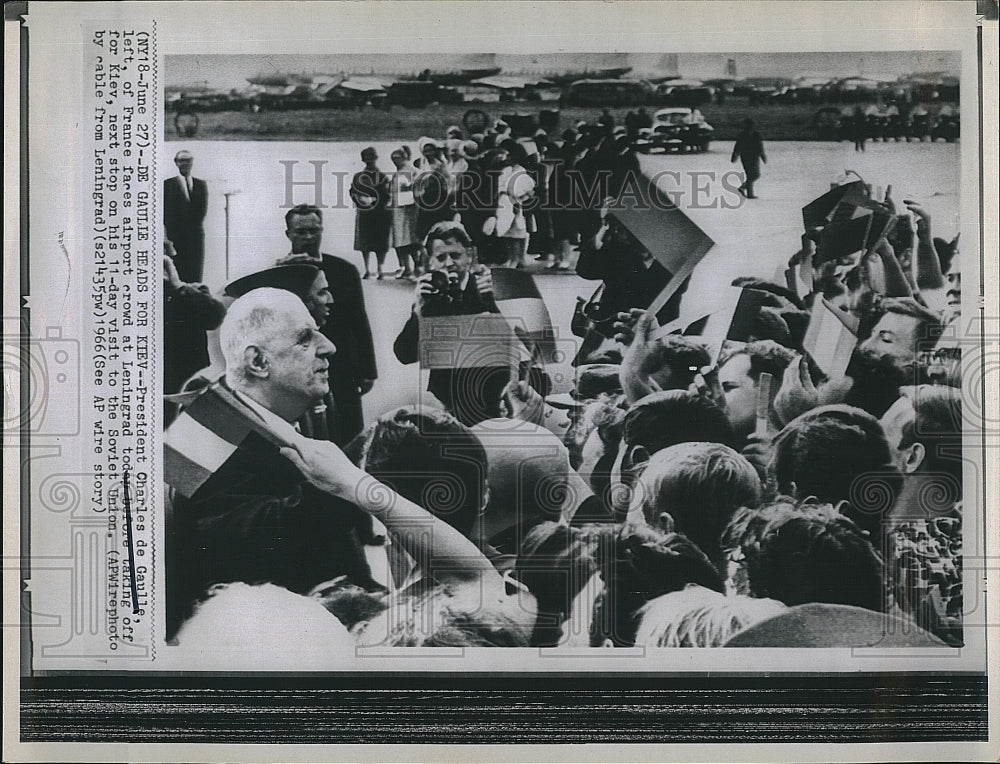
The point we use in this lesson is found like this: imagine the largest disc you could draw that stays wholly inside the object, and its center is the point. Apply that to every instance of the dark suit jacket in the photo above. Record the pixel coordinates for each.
(628, 283)
(347, 328)
(257, 520)
(183, 219)
(472, 395)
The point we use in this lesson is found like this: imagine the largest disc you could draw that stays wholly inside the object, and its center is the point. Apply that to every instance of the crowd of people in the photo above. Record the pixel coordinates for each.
(682, 495)
(513, 197)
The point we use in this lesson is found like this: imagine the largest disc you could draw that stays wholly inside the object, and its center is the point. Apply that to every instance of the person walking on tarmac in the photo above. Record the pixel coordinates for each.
(749, 149)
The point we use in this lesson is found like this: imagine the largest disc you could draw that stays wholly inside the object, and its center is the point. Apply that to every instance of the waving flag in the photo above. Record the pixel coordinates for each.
(206, 433)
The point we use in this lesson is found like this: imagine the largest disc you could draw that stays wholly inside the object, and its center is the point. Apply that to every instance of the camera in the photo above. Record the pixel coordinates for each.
(445, 286)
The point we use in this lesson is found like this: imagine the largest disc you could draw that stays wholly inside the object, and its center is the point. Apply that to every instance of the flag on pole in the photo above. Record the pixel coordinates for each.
(205, 434)
(852, 207)
(662, 228)
(839, 240)
(733, 320)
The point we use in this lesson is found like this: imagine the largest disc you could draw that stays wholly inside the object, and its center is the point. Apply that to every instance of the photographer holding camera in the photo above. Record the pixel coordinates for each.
(454, 285)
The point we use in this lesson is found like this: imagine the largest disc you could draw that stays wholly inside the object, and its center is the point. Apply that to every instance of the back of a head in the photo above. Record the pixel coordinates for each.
(670, 417)
(528, 468)
(645, 563)
(430, 458)
(700, 485)
(938, 426)
(806, 553)
(555, 563)
(454, 615)
(838, 453)
(700, 617)
(675, 360)
(227, 632)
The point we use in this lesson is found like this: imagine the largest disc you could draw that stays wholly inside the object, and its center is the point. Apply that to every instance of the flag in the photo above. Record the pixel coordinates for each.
(662, 228)
(817, 213)
(831, 337)
(659, 225)
(205, 434)
(839, 240)
(485, 340)
(520, 302)
(852, 207)
(733, 321)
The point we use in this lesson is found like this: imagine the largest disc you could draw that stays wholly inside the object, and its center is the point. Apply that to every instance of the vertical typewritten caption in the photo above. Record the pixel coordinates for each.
(122, 284)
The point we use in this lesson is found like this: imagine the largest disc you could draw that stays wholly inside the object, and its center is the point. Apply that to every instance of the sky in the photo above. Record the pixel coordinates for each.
(230, 71)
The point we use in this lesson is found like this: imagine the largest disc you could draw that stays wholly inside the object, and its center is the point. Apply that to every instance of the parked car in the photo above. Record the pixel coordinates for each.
(948, 125)
(920, 125)
(828, 124)
(690, 93)
(676, 129)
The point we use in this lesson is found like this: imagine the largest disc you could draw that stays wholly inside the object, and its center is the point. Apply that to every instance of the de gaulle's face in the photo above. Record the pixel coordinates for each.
(299, 359)
(896, 335)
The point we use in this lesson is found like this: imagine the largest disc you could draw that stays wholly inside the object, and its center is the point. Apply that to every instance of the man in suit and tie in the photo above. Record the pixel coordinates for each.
(454, 286)
(352, 370)
(185, 201)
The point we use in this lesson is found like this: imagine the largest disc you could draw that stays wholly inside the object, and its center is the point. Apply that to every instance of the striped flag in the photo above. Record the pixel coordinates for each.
(205, 434)
(520, 302)
(483, 340)
(831, 337)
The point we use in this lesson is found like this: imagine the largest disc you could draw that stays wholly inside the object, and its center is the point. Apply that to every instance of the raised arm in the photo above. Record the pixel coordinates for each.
(444, 551)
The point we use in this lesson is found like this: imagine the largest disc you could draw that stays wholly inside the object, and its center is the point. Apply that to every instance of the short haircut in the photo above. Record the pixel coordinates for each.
(669, 417)
(253, 320)
(445, 231)
(430, 458)
(302, 209)
(642, 564)
(453, 615)
(700, 617)
(838, 453)
(765, 355)
(348, 602)
(700, 485)
(801, 553)
(937, 425)
(682, 355)
(930, 324)
(183, 154)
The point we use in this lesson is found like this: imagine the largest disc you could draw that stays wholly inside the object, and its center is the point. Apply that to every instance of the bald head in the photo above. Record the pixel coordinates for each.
(274, 352)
